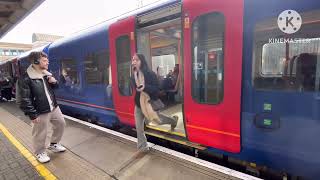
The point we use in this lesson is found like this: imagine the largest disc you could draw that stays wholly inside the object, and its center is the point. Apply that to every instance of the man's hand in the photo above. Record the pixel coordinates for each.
(52, 80)
(35, 121)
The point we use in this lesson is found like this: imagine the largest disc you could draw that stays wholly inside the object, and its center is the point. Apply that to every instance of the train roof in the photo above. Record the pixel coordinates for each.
(3, 62)
(95, 33)
(158, 6)
(8, 60)
(98, 33)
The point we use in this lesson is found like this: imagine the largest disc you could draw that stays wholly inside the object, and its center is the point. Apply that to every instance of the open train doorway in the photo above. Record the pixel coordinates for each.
(159, 39)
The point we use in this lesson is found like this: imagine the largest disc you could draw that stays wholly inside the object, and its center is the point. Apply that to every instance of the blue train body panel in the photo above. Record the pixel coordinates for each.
(293, 146)
(92, 101)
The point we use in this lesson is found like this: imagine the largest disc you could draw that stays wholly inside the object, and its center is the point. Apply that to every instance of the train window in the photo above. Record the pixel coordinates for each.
(208, 56)
(7, 52)
(96, 68)
(163, 65)
(164, 45)
(69, 72)
(288, 62)
(13, 52)
(123, 65)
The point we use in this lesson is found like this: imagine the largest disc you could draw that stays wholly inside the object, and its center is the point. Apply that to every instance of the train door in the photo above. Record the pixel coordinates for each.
(159, 39)
(212, 75)
(122, 48)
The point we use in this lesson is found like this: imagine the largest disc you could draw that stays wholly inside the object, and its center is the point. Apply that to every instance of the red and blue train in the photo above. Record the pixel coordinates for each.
(242, 75)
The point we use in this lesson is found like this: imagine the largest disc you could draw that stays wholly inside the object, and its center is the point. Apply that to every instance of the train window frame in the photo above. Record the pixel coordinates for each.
(223, 58)
(294, 50)
(121, 90)
(14, 52)
(76, 64)
(104, 79)
(6, 52)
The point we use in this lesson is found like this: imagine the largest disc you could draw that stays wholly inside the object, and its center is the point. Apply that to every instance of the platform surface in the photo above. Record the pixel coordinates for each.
(94, 154)
(12, 163)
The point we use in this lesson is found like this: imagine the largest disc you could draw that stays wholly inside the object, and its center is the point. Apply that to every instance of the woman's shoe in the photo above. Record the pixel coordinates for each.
(174, 123)
(145, 149)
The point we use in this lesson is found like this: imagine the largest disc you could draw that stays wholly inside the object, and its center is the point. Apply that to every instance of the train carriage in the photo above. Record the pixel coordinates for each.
(7, 78)
(82, 64)
(243, 76)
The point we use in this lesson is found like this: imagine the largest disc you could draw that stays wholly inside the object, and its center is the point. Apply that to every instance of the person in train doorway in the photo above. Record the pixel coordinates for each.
(37, 100)
(146, 84)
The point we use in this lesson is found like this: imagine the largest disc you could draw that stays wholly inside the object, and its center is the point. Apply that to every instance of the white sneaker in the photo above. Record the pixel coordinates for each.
(57, 148)
(43, 157)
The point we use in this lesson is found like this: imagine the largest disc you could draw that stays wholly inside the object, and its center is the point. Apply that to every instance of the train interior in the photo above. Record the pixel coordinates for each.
(161, 44)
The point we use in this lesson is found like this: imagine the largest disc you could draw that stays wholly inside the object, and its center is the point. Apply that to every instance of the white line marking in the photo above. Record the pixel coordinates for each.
(204, 163)
(115, 133)
(191, 159)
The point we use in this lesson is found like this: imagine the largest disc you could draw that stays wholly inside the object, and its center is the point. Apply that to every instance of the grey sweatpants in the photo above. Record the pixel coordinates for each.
(140, 120)
(39, 130)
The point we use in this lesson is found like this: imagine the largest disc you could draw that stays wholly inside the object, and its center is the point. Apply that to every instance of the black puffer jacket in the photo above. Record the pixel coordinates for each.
(33, 99)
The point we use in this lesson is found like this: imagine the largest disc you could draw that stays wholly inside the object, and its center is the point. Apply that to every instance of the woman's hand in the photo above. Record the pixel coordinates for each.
(140, 88)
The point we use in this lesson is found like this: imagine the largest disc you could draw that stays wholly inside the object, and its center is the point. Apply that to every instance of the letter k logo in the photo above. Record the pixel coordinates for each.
(289, 21)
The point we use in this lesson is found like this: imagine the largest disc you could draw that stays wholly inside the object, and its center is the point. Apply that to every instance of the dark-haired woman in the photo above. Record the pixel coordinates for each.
(146, 81)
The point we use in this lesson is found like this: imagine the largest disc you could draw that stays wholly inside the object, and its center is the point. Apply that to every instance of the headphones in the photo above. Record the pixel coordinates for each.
(36, 61)
(35, 57)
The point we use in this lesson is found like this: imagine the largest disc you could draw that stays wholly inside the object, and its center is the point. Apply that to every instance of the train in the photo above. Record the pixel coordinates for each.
(243, 76)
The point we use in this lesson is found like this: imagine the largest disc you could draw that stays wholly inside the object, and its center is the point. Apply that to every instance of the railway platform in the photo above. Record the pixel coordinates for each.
(13, 164)
(95, 152)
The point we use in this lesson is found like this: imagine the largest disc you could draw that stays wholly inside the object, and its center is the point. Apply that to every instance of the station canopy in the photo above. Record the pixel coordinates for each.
(14, 11)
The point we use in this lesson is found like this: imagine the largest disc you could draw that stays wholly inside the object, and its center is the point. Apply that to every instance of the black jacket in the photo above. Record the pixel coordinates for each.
(33, 100)
(151, 87)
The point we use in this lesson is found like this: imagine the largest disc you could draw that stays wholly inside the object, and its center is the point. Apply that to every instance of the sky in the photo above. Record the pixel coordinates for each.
(64, 17)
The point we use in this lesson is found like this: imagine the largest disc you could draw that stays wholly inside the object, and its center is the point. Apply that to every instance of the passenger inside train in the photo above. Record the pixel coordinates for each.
(68, 76)
(169, 86)
(296, 73)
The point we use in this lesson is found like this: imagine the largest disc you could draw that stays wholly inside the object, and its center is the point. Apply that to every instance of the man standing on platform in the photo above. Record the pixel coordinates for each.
(37, 100)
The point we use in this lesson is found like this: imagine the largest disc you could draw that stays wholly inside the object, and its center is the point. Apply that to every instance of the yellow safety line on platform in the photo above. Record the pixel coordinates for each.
(43, 171)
